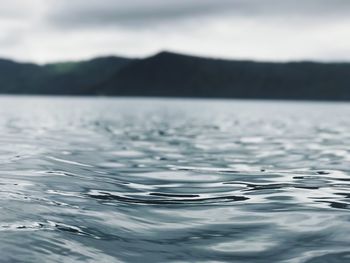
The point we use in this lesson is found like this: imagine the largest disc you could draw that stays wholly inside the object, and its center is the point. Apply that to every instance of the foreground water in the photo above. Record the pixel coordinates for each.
(132, 180)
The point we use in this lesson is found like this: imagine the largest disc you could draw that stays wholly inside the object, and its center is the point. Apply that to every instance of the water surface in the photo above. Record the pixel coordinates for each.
(150, 180)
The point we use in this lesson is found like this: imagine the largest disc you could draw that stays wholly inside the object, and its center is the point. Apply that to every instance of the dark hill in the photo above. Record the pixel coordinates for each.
(168, 74)
(18, 77)
(175, 75)
(79, 77)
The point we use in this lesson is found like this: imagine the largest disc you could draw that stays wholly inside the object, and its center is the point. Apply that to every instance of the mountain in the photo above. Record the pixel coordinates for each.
(168, 74)
(18, 77)
(176, 75)
(80, 78)
(70, 78)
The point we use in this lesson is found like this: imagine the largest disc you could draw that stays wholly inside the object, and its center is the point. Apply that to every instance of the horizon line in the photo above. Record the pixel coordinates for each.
(153, 54)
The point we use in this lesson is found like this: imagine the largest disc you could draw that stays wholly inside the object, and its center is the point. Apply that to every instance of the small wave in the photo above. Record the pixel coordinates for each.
(171, 199)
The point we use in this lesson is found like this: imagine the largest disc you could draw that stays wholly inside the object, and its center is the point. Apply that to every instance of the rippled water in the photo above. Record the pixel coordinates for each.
(146, 180)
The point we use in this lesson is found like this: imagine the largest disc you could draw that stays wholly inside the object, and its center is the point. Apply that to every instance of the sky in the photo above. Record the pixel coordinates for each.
(44, 31)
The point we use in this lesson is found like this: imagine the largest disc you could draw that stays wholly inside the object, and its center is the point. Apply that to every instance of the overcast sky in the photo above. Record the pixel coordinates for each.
(58, 30)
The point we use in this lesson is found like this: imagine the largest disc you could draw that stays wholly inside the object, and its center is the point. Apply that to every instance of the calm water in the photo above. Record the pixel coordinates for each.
(132, 180)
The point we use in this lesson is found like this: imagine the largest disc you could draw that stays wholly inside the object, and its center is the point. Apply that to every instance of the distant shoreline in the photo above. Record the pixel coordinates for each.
(174, 75)
(3, 95)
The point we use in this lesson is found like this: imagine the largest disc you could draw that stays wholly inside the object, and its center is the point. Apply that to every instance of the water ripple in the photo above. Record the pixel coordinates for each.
(167, 198)
(119, 180)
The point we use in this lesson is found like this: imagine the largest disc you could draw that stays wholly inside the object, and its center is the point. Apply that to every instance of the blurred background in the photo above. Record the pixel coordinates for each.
(160, 48)
(50, 31)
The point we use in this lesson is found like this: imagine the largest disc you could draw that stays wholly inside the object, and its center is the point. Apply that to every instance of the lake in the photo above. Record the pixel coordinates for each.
(171, 180)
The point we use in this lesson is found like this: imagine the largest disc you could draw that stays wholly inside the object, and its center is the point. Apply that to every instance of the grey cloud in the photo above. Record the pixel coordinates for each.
(49, 30)
(144, 13)
(22, 9)
(131, 13)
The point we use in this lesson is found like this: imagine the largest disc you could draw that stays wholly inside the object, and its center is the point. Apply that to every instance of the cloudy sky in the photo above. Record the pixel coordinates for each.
(58, 30)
